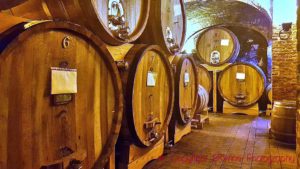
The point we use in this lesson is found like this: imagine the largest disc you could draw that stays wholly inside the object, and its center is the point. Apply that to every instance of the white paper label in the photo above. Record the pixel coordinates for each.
(240, 76)
(177, 10)
(151, 79)
(63, 81)
(225, 42)
(186, 77)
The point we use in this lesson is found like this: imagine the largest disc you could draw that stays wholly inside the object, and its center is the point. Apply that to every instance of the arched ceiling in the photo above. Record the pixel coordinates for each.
(205, 13)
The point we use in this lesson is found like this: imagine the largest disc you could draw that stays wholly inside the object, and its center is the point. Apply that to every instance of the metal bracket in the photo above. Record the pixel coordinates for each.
(150, 127)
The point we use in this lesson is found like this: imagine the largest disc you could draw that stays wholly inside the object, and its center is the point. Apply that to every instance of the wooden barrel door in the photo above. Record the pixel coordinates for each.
(241, 84)
(45, 122)
(149, 93)
(216, 46)
(166, 26)
(186, 86)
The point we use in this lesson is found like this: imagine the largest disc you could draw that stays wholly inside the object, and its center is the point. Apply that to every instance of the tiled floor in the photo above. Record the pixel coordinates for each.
(228, 142)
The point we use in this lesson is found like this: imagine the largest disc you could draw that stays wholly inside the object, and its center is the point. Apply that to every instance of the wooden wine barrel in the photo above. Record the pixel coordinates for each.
(241, 84)
(204, 78)
(39, 129)
(283, 121)
(6, 4)
(202, 99)
(269, 92)
(149, 91)
(166, 26)
(186, 86)
(216, 46)
(115, 21)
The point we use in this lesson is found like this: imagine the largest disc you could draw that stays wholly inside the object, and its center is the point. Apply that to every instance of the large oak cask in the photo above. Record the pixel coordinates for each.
(269, 93)
(166, 26)
(186, 87)
(204, 78)
(216, 46)
(115, 21)
(148, 91)
(43, 122)
(241, 84)
(6, 4)
(283, 121)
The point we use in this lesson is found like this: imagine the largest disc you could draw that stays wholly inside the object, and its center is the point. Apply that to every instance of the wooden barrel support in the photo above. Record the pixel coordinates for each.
(115, 21)
(241, 84)
(216, 46)
(283, 121)
(42, 123)
(166, 26)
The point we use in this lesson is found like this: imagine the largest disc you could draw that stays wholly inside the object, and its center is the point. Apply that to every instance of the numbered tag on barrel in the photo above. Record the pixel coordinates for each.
(151, 79)
(63, 84)
(186, 79)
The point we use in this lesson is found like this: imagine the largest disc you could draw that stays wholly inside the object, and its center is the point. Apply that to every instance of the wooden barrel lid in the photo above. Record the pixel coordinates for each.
(6, 4)
(241, 84)
(204, 78)
(166, 26)
(149, 93)
(41, 129)
(186, 87)
(217, 45)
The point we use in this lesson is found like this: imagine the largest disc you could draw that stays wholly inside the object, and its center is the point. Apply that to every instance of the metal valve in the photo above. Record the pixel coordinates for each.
(122, 65)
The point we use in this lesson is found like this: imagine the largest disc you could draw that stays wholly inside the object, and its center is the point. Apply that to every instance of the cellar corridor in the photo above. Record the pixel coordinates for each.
(228, 142)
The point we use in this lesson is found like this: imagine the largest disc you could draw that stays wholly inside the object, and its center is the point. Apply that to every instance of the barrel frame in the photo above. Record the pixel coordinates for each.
(138, 52)
(247, 64)
(101, 48)
(234, 54)
(178, 62)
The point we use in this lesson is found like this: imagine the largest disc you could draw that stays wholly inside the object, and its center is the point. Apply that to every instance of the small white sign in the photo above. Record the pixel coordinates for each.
(63, 81)
(240, 76)
(177, 10)
(151, 79)
(186, 77)
(225, 42)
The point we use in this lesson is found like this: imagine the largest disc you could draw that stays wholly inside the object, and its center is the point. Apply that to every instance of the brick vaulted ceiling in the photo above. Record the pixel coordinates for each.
(205, 13)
